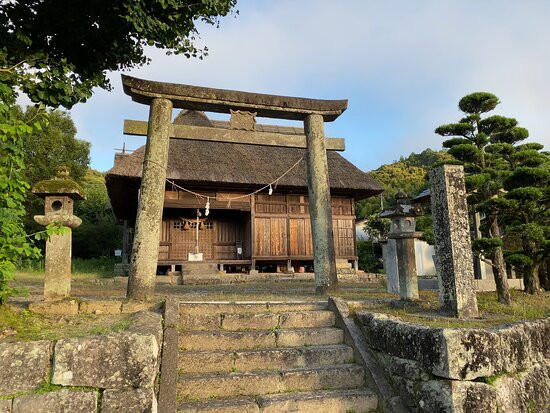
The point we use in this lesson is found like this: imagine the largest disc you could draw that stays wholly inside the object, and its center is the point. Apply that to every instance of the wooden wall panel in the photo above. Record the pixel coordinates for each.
(341, 205)
(344, 235)
(279, 239)
(270, 237)
(262, 228)
(301, 242)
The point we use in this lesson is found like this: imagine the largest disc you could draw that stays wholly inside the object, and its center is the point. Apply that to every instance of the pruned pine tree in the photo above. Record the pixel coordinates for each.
(470, 140)
(527, 209)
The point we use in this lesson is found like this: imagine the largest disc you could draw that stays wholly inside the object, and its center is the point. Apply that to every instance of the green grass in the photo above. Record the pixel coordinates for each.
(29, 326)
(492, 313)
(92, 267)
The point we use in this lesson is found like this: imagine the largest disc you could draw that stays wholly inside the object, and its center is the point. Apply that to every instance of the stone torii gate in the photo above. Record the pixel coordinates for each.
(164, 97)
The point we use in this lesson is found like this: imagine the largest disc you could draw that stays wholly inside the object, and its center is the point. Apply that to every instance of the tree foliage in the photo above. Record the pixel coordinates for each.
(99, 234)
(15, 244)
(59, 50)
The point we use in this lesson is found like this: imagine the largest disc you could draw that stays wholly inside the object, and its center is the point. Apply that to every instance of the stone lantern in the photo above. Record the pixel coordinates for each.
(59, 195)
(403, 231)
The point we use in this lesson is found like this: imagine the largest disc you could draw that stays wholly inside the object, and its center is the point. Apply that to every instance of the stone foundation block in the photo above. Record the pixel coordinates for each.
(147, 322)
(64, 307)
(515, 348)
(406, 341)
(24, 366)
(407, 368)
(538, 332)
(457, 397)
(113, 361)
(471, 353)
(136, 306)
(524, 392)
(129, 400)
(101, 307)
(57, 401)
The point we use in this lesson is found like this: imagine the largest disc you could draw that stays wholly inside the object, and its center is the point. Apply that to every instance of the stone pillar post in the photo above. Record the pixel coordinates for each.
(390, 265)
(320, 210)
(143, 264)
(453, 247)
(406, 264)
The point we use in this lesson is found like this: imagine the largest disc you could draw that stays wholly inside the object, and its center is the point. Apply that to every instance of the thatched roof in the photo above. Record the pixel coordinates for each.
(204, 164)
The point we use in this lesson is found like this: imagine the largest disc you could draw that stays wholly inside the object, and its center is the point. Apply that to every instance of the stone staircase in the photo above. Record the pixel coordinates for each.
(266, 357)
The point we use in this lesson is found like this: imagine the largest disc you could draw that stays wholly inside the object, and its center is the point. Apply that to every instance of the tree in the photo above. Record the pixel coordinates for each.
(15, 244)
(99, 234)
(527, 208)
(56, 52)
(44, 150)
(56, 144)
(475, 142)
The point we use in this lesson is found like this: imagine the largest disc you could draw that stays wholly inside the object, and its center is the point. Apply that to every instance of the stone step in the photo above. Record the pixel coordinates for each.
(331, 401)
(247, 340)
(269, 359)
(232, 405)
(197, 307)
(204, 386)
(326, 401)
(258, 321)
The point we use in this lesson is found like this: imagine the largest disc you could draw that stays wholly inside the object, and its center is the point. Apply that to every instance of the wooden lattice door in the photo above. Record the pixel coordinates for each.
(182, 238)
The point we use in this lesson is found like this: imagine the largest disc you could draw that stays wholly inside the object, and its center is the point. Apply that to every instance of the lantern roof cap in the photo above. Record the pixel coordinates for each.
(403, 207)
(61, 185)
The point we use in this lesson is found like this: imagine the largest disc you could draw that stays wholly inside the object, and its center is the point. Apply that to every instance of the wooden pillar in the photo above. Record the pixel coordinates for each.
(143, 265)
(324, 260)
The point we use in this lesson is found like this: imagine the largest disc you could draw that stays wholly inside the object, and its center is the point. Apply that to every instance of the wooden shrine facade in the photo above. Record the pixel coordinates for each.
(269, 228)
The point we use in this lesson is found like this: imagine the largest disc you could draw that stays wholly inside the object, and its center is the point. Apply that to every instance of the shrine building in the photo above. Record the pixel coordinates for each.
(237, 228)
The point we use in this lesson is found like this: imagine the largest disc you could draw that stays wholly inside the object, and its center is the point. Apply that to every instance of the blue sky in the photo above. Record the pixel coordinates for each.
(402, 64)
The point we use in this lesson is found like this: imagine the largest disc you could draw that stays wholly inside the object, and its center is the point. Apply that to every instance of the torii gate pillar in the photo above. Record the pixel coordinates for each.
(320, 210)
(143, 264)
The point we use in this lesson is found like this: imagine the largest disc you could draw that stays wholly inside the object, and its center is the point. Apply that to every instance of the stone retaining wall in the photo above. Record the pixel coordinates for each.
(504, 369)
(97, 374)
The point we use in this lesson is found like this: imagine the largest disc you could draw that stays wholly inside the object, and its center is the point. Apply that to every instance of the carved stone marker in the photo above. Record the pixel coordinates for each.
(453, 247)
(59, 195)
(403, 231)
